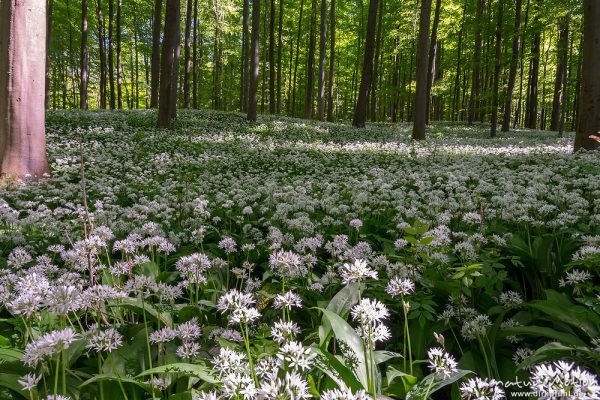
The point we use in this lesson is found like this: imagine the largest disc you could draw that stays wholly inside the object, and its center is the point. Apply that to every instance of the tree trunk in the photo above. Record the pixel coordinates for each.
(433, 48)
(279, 56)
(169, 65)
(561, 73)
(272, 59)
(456, 93)
(245, 57)
(497, 68)
(155, 62)
(293, 82)
(331, 61)
(420, 107)
(310, 69)
(83, 87)
(254, 59)
(534, 72)
(512, 75)
(322, 50)
(588, 126)
(48, 40)
(474, 98)
(187, 55)
(102, 50)
(22, 91)
(119, 57)
(360, 112)
(378, 39)
(111, 57)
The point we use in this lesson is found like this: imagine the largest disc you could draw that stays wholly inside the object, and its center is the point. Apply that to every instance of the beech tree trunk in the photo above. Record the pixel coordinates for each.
(588, 126)
(331, 62)
(155, 60)
(83, 87)
(102, 51)
(360, 112)
(420, 106)
(245, 57)
(512, 75)
(293, 81)
(378, 40)
(497, 68)
(272, 58)
(48, 39)
(561, 73)
(322, 50)
(254, 60)
(279, 55)
(119, 57)
(433, 49)
(111, 57)
(187, 55)
(474, 98)
(22, 88)
(195, 61)
(169, 65)
(534, 73)
(310, 69)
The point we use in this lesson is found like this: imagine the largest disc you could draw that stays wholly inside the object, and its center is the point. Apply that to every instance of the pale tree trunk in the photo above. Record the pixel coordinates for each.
(497, 68)
(279, 55)
(102, 51)
(360, 112)
(588, 124)
(322, 46)
(155, 62)
(254, 59)
(433, 50)
(474, 97)
(331, 61)
(83, 88)
(244, 59)
(119, 57)
(187, 55)
(22, 89)
(512, 75)
(561, 73)
(310, 69)
(48, 39)
(272, 105)
(420, 106)
(169, 65)
(111, 56)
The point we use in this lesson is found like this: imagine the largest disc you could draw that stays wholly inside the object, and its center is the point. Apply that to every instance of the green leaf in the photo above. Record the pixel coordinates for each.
(340, 304)
(432, 383)
(533, 330)
(199, 371)
(139, 306)
(382, 356)
(344, 332)
(336, 369)
(115, 378)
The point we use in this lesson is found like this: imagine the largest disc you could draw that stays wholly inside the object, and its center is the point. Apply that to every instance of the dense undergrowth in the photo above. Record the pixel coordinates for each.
(292, 260)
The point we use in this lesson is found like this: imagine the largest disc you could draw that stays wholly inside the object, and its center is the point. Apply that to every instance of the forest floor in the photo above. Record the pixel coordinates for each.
(499, 238)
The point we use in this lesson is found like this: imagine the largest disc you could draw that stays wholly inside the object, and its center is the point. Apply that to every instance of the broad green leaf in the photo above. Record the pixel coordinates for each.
(340, 304)
(196, 370)
(432, 383)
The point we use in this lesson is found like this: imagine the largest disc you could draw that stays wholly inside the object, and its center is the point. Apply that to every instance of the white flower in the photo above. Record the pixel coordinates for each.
(287, 301)
(481, 389)
(476, 327)
(400, 287)
(441, 362)
(344, 393)
(291, 387)
(296, 355)
(29, 382)
(356, 272)
(229, 361)
(48, 345)
(236, 385)
(107, 340)
(283, 331)
(510, 299)
(369, 311)
(564, 379)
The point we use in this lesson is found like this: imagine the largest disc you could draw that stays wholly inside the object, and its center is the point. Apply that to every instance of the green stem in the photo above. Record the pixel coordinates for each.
(101, 386)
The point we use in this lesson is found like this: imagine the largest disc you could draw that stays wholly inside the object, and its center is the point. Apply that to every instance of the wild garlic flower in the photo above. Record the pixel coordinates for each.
(239, 305)
(481, 389)
(344, 394)
(441, 362)
(564, 379)
(575, 277)
(510, 299)
(358, 271)
(287, 301)
(400, 287)
(369, 311)
(29, 382)
(283, 331)
(267, 368)
(193, 268)
(212, 395)
(163, 335)
(228, 245)
(476, 327)
(48, 345)
(296, 355)
(239, 385)
(107, 340)
(287, 264)
(188, 350)
(292, 386)
(356, 223)
(189, 330)
(229, 361)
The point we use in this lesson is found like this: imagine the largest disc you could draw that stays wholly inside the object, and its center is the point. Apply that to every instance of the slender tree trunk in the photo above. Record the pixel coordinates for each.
(331, 61)
(254, 59)
(378, 40)
(360, 112)
(50, 6)
(322, 50)
(245, 57)
(456, 95)
(137, 60)
(111, 56)
(433, 49)
(512, 75)
(310, 69)
(279, 56)
(532, 104)
(264, 58)
(155, 62)
(518, 111)
(588, 126)
(272, 105)
(420, 109)
(195, 59)
(474, 98)
(565, 91)
(169, 64)
(187, 54)
(23, 28)
(297, 57)
(119, 57)
(561, 75)
(102, 51)
(83, 87)
(497, 68)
